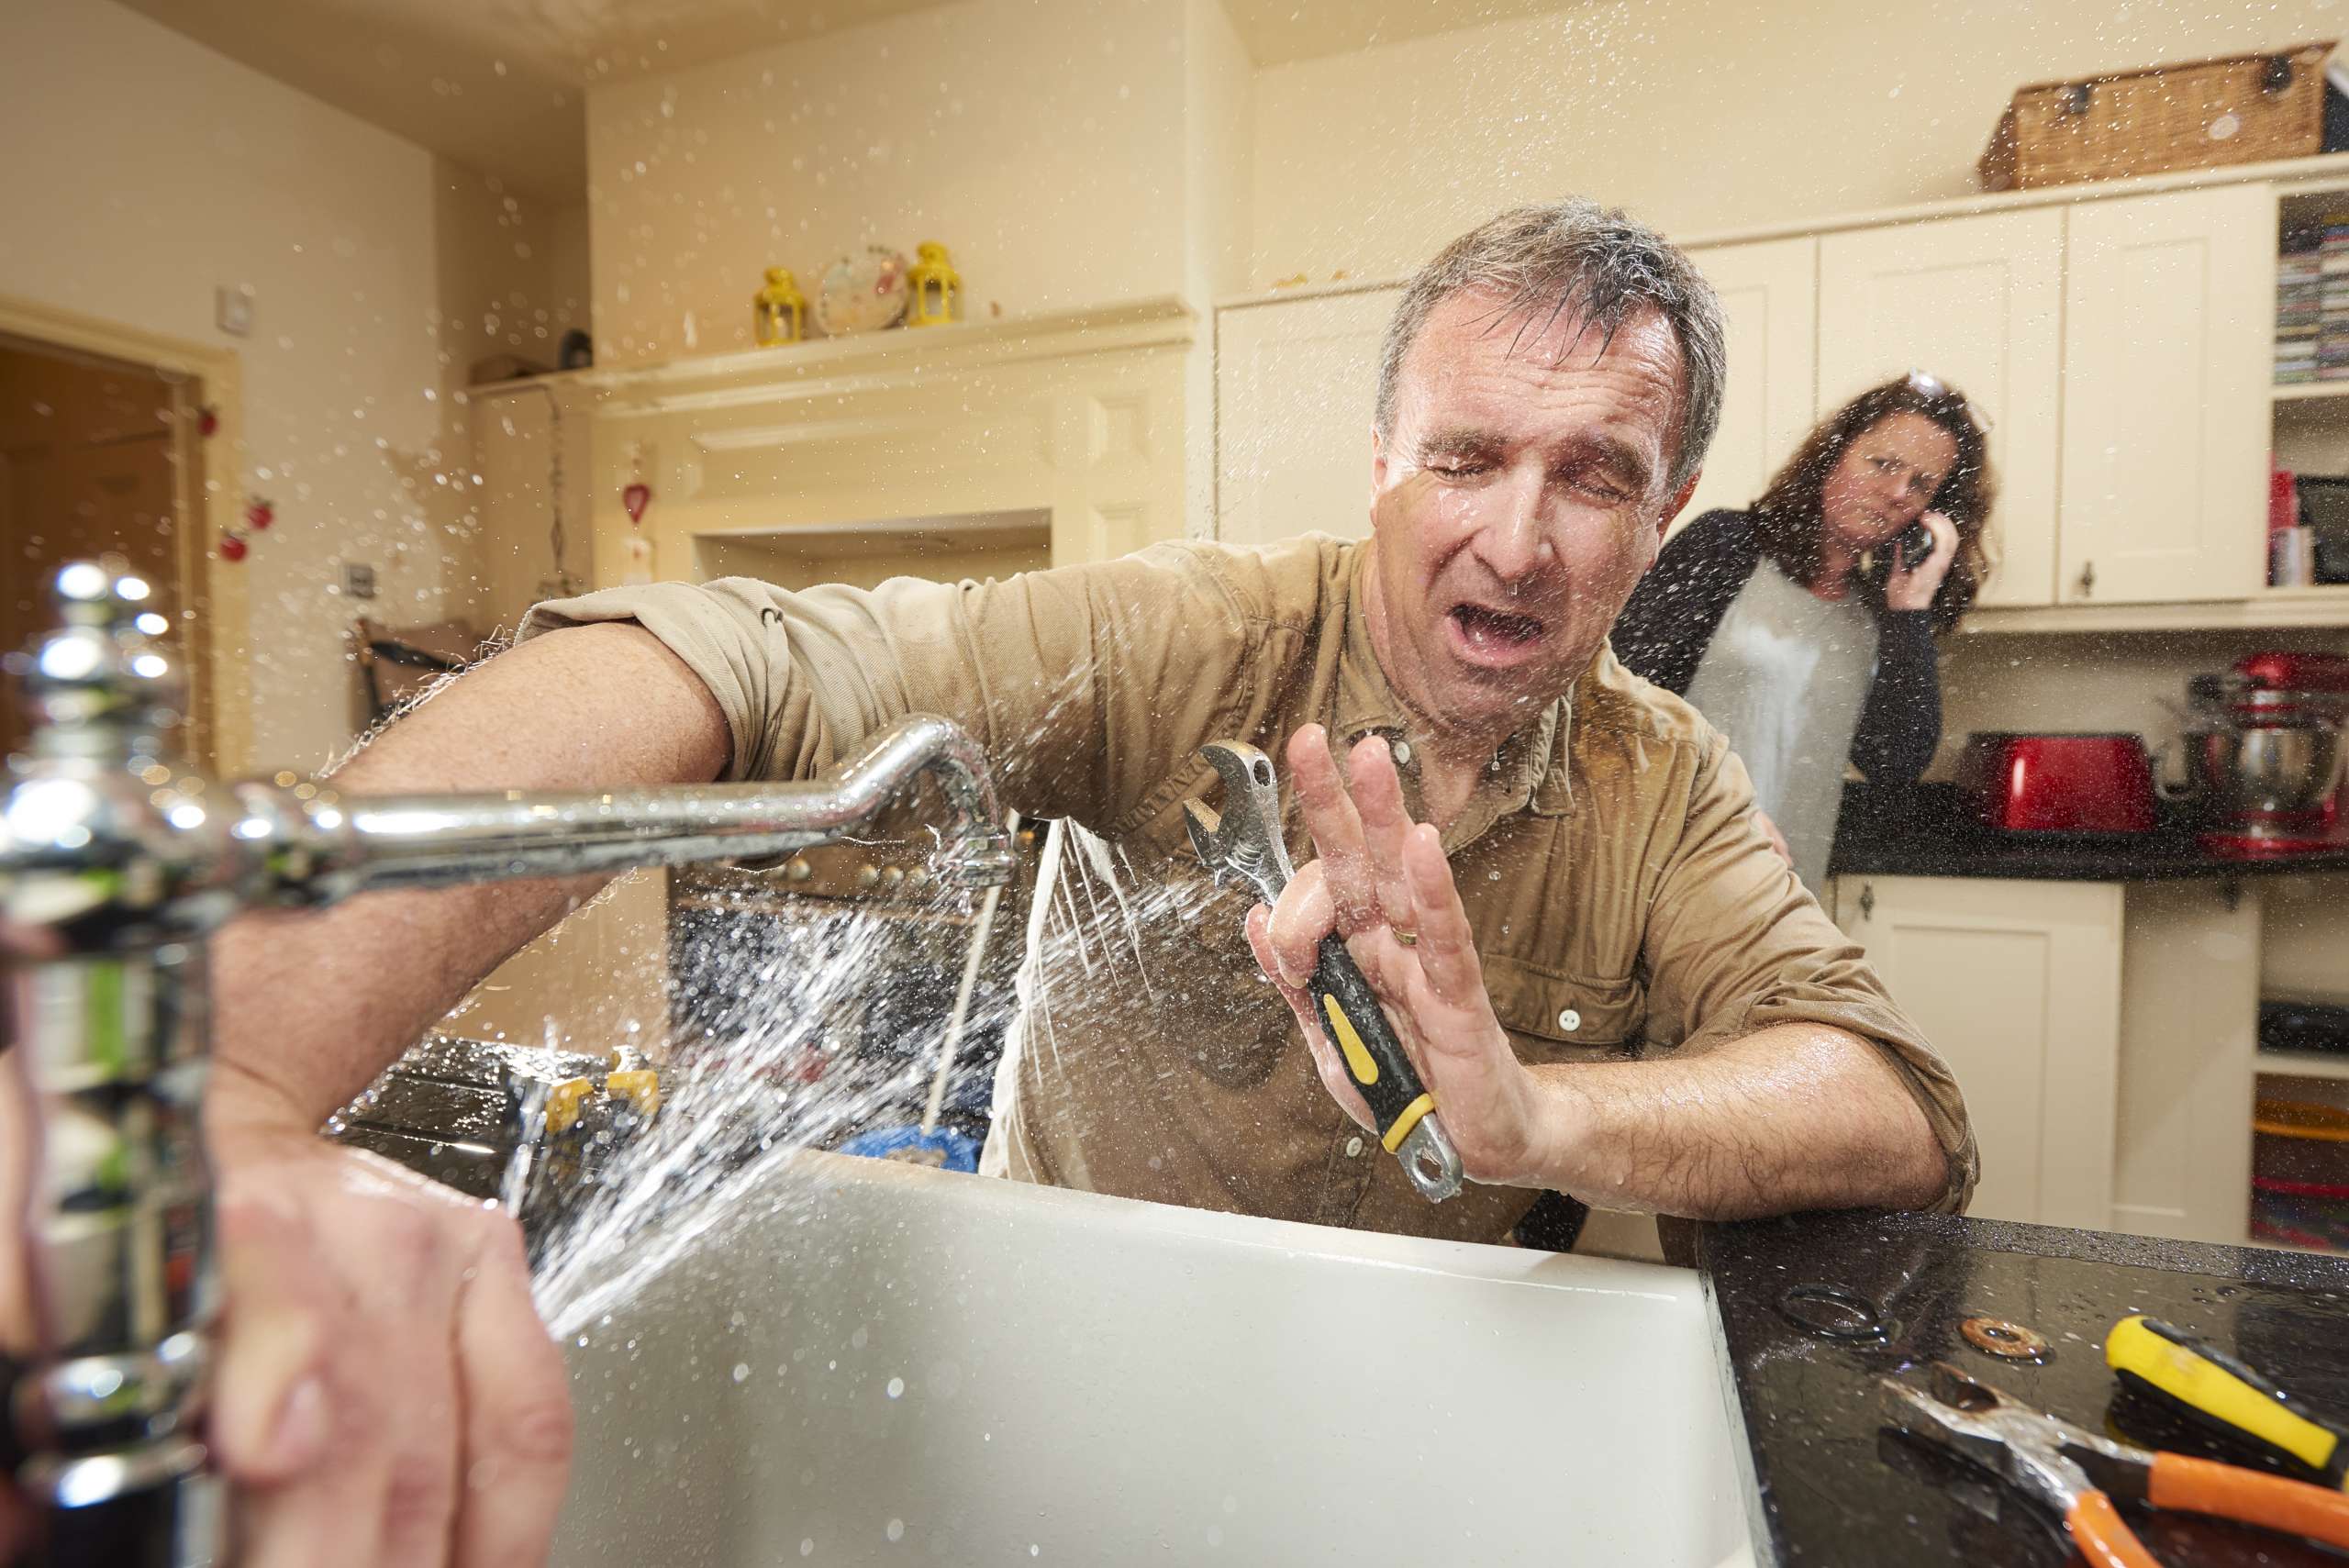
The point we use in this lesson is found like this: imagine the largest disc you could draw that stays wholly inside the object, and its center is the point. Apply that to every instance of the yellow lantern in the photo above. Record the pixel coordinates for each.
(779, 311)
(935, 287)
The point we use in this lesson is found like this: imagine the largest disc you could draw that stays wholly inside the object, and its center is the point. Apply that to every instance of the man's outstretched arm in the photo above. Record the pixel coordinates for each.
(307, 1008)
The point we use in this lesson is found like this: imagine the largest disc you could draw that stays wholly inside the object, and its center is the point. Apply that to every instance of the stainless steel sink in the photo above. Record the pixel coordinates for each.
(880, 1364)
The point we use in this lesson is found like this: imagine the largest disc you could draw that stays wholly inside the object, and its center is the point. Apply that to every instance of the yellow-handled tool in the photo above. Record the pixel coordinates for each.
(1242, 843)
(2220, 1392)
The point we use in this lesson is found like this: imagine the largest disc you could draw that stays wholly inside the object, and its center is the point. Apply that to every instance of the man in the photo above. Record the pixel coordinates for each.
(1613, 986)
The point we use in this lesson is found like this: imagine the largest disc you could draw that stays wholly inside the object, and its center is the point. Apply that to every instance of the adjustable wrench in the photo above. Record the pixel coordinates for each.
(1242, 844)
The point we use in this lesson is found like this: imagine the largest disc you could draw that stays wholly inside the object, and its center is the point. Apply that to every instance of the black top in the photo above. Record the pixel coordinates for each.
(1826, 1487)
(1931, 830)
(1672, 614)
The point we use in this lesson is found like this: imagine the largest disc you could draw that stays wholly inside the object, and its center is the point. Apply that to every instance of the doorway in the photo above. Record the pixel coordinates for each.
(105, 454)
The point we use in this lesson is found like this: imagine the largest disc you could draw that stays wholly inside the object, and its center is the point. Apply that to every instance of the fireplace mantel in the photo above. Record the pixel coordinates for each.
(1081, 414)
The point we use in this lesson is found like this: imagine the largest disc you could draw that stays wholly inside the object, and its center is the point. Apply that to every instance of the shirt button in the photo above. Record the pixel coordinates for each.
(1569, 1020)
(1354, 1147)
(1402, 753)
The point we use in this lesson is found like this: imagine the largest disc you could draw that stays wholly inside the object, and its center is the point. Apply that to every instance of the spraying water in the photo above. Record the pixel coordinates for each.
(786, 1055)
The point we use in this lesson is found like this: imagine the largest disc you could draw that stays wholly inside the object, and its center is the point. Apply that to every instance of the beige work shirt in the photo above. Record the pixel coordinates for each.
(1624, 902)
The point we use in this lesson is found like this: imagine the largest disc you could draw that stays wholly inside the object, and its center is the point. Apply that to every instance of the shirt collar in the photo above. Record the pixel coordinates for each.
(1529, 772)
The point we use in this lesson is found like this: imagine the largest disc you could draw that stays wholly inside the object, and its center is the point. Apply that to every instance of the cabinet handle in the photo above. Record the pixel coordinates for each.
(2088, 580)
(1867, 901)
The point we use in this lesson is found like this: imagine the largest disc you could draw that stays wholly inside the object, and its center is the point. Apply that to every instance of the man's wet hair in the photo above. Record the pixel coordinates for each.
(1543, 262)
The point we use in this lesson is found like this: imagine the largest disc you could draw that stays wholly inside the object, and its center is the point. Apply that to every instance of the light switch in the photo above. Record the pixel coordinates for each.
(232, 309)
(358, 580)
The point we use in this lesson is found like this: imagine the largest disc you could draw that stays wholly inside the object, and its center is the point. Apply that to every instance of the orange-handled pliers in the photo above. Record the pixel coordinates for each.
(2077, 1474)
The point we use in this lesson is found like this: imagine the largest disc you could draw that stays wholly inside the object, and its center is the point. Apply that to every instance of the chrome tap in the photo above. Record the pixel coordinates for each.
(116, 861)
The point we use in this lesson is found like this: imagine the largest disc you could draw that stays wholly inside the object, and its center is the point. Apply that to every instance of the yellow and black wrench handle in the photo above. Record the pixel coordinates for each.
(2220, 1392)
(1375, 1059)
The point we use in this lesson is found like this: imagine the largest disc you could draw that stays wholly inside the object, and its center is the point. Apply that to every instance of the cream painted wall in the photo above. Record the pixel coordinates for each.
(1697, 116)
(1218, 126)
(145, 169)
(1040, 139)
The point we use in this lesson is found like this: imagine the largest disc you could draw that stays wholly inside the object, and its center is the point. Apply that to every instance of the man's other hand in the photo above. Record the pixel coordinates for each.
(385, 1394)
(1378, 874)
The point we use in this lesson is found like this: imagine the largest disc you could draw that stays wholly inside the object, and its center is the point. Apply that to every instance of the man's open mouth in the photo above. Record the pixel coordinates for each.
(1489, 632)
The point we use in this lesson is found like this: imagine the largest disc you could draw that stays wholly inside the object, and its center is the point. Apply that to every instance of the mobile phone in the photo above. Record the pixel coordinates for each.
(1914, 542)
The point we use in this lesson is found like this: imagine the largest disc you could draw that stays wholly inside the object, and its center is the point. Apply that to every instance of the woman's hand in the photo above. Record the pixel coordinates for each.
(1913, 583)
(1378, 879)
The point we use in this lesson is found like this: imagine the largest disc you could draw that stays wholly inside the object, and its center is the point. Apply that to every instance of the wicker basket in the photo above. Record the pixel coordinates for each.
(2196, 115)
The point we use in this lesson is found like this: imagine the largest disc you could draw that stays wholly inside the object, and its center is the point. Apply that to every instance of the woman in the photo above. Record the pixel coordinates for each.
(1803, 628)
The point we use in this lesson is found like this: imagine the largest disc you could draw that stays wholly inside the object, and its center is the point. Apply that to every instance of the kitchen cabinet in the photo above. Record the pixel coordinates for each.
(1295, 383)
(1769, 295)
(2018, 985)
(2169, 312)
(2189, 1061)
(1978, 302)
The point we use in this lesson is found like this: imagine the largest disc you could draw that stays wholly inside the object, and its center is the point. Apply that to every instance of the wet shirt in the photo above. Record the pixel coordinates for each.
(1622, 899)
(1784, 678)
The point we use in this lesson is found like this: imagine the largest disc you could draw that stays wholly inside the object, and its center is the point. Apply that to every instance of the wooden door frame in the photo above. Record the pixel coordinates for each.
(222, 739)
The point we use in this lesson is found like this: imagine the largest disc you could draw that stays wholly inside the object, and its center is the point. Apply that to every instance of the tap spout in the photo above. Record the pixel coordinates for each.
(327, 847)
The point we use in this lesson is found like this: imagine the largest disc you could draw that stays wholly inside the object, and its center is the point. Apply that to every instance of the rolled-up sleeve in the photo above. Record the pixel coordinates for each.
(1735, 945)
(1073, 681)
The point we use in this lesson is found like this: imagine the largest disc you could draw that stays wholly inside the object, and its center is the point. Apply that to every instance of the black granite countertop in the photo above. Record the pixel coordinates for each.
(1928, 831)
(1827, 1486)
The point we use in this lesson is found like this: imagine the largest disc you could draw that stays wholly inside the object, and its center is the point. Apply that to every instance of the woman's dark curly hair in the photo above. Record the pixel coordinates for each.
(1788, 520)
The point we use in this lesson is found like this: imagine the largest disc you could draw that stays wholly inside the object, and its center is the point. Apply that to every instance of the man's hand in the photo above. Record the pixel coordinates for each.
(385, 1394)
(1378, 876)
(1770, 831)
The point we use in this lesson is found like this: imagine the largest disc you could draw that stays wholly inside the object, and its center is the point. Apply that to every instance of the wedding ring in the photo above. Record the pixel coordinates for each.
(1409, 939)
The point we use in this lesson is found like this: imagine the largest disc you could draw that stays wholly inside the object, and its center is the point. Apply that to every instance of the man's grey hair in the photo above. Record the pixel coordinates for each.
(1603, 266)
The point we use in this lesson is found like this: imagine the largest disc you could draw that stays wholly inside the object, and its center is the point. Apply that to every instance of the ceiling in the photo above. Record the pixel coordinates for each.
(497, 85)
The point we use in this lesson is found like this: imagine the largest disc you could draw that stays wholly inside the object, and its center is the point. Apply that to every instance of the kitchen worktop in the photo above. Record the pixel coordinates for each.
(1928, 831)
(1826, 1485)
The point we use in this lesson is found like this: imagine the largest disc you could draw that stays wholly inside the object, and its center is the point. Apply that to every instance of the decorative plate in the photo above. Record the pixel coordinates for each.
(862, 291)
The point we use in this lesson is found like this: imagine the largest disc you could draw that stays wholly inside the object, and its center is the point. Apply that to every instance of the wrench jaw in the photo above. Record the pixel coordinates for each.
(1242, 844)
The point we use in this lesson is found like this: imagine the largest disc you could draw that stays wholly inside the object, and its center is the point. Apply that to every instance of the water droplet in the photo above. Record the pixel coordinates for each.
(896, 1386)
(896, 1530)
(742, 1371)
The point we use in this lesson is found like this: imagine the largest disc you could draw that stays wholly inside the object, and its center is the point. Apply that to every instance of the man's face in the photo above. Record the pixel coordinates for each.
(1517, 499)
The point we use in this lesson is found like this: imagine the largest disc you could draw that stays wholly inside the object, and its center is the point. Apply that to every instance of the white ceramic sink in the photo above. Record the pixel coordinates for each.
(891, 1364)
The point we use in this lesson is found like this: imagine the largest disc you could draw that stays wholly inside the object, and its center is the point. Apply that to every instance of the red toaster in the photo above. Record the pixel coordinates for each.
(2059, 784)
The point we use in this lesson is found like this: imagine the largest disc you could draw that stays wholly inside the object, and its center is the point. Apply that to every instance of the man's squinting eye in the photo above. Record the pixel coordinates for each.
(1455, 465)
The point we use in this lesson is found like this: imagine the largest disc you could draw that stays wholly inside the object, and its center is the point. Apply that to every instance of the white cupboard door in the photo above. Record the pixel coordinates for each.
(1770, 301)
(2189, 1060)
(2168, 350)
(1977, 301)
(1295, 380)
(2017, 984)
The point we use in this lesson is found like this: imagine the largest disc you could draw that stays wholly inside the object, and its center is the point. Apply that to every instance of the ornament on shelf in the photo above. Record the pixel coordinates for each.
(862, 293)
(259, 512)
(935, 285)
(233, 547)
(778, 311)
(207, 421)
(636, 497)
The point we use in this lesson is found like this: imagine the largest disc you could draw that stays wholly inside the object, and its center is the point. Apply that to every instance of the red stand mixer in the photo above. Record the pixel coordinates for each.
(2264, 747)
